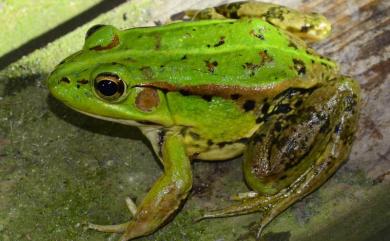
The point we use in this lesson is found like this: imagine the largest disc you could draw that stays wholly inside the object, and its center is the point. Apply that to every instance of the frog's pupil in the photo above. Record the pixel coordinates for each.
(107, 87)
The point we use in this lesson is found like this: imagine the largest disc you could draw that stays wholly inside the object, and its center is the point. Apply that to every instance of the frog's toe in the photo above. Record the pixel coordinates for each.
(118, 228)
(249, 203)
(243, 195)
(131, 206)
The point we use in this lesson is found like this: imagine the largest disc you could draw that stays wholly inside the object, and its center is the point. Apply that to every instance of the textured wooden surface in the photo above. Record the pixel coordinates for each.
(55, 176)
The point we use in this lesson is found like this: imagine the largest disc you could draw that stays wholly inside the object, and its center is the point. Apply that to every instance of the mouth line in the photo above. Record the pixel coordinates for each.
(121, 121)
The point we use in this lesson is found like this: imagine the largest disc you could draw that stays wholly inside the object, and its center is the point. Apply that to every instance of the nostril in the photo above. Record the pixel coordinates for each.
(64, 80)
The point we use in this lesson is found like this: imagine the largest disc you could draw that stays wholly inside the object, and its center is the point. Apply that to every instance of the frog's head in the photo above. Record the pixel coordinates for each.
(92, 81)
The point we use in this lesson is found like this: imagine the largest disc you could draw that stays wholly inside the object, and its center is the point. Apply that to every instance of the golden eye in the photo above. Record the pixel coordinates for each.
(109, 86)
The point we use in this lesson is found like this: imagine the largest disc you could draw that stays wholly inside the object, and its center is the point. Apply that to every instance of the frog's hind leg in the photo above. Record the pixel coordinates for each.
(308, 26)
(305, 137)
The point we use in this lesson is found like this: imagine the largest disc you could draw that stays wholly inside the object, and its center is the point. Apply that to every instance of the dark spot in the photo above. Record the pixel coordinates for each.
(147, 123)
(292, 92)
(282, 108)
(325, 126)
(157, 23)
(222, 144)
(249, 105)
(83, 81)
(262, 119)
(124, 16)
(194, 135)
(278, 126)
(162, 66)
(337, 128)
(265, 57)
(158, 41)
(298, 103)
(178, 16)
(161, 135)
(211, 66)
(251, 67)
(235, 96)
(257, 35)
(258, 138)
(292, 45)
(207, 97)
(195, 155)
(184, 57)
(283, 177)
(350, 102)
(243, 140)
(234, 15)
(299, 66)
(183, 131)
(305, 28)
(185, 92)
(208, 46)
(78, 86)
(220, 42)
(210, 142)
(265, 107)
(64, 80)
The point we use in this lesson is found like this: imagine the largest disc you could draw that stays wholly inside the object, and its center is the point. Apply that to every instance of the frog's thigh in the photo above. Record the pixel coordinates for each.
(294, 153)
(320, 131)
(300, 156)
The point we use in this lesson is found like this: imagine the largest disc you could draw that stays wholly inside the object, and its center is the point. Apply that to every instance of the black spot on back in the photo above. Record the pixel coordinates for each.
(249, 105)
(299, 66)
(207, 97)
(235, 96)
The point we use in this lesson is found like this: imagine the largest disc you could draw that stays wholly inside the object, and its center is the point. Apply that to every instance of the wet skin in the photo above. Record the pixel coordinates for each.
(215, 89)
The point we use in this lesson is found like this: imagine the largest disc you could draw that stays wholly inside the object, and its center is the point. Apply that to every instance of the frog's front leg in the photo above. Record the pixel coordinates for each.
(305, 137)
(164, 197)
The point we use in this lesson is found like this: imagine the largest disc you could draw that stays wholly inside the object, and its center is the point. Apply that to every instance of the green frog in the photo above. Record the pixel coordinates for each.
(239, 80)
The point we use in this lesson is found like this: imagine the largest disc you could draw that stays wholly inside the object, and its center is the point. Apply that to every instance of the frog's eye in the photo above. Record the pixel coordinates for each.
(102, 37)
(109, 86)
(93, 29)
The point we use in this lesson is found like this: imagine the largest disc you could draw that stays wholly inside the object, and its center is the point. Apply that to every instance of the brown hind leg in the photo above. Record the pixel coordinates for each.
(293, 153)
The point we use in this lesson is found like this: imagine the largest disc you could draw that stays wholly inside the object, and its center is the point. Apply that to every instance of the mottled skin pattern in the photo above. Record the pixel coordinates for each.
(215, 89)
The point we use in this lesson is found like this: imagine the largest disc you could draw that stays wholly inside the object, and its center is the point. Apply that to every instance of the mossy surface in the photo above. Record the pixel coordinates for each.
(25, 19)
(60, 169)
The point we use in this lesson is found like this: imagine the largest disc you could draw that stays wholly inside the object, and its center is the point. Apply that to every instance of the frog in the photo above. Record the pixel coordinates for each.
(236, 79)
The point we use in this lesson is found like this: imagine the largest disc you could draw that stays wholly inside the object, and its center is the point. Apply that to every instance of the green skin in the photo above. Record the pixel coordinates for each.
(215, 89)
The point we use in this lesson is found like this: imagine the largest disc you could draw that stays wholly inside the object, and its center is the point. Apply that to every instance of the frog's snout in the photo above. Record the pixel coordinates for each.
(59, 85)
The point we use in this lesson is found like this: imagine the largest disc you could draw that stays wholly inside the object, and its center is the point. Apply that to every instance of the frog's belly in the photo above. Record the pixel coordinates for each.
(216, 152)
(197, 148)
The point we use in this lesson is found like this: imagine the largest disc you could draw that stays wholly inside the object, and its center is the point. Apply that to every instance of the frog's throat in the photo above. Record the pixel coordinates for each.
(121, 121)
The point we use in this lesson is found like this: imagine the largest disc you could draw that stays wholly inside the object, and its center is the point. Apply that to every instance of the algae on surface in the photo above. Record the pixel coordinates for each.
(60, 169)
(24, 20)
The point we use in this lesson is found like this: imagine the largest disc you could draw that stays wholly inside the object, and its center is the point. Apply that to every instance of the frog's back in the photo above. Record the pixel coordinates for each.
(246, 53)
